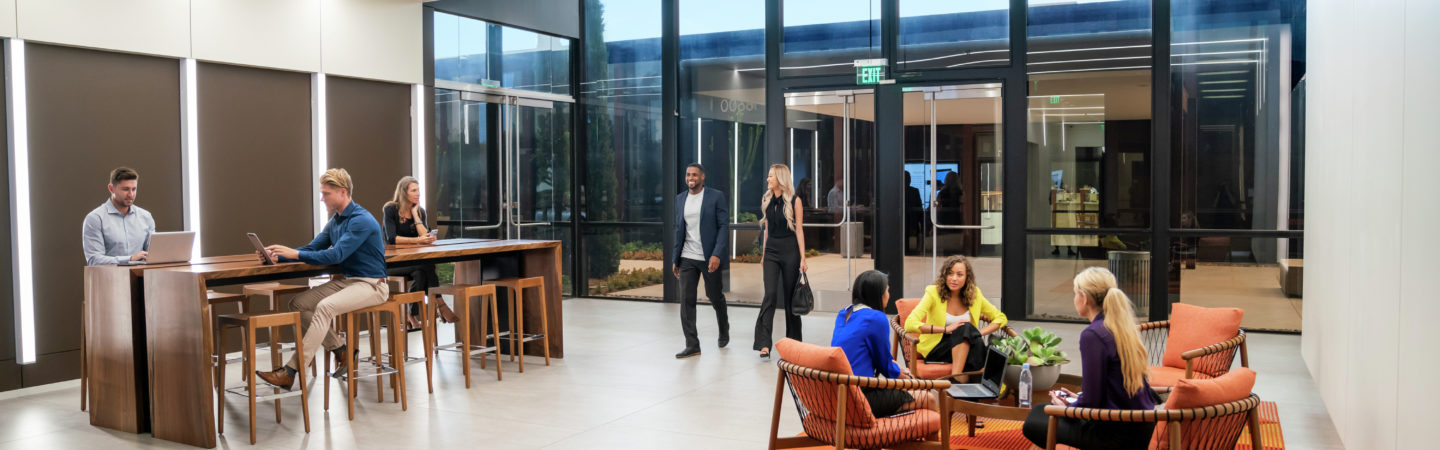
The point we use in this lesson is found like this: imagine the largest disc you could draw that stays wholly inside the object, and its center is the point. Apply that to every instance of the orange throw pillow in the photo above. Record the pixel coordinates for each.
(1233, 386)
(829, 359)
(1193, 327)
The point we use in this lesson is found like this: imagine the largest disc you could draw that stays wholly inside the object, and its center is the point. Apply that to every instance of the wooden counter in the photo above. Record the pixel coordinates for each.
(164, 340)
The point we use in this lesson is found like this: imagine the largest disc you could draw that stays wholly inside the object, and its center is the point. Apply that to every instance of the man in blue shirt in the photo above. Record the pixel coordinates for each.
(117, 230)
(351, 239)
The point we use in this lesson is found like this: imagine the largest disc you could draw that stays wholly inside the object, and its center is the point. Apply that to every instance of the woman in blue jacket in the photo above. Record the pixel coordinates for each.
(863, 331)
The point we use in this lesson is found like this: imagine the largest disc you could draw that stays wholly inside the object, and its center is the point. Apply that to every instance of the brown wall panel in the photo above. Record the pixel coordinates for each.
(90, 111)
(254, 158)
(369, 136)
(7, 288)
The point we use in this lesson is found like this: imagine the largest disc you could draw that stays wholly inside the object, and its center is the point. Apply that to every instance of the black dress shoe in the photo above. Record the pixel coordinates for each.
(724, 340)
(687, 353)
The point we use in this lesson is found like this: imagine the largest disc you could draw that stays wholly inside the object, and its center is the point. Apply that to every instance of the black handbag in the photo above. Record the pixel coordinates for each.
(803, 300)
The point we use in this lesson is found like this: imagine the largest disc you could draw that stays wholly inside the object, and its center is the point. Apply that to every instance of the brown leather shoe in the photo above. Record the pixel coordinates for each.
(280, 378)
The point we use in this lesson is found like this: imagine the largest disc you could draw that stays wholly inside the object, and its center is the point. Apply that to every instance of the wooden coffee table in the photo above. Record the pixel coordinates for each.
(1004, 408)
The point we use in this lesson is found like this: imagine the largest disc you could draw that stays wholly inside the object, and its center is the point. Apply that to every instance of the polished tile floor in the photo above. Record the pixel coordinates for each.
(618, 387)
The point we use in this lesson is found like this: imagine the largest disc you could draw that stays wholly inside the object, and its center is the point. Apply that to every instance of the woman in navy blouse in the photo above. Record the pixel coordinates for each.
(1113, 365)
(863, 331)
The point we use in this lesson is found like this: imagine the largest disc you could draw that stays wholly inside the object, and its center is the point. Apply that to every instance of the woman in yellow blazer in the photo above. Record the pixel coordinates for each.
(946, 318)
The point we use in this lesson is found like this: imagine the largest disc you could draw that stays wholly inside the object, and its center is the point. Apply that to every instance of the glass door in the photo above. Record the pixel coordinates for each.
(503, 165)
(953, 166)
(831, 153)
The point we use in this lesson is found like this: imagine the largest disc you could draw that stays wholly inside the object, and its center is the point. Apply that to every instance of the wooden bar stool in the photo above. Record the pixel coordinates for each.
(517, 336)
(382, 368)
(216, 299)
(463, 293)
(427, 320)
(272, 292)
(249, 324)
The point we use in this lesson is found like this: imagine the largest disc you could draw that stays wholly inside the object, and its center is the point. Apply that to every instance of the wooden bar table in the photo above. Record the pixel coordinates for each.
(170, 330)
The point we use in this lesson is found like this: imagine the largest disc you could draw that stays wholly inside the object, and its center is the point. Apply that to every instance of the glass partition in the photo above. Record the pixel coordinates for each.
(948, 34)
(825, 37)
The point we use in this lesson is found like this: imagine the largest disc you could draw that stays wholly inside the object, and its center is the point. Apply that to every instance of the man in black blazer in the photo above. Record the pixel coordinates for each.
(702, 241)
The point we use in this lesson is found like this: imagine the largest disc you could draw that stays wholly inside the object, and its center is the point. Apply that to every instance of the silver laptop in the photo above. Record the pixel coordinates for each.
(168, 247)
(989, 385)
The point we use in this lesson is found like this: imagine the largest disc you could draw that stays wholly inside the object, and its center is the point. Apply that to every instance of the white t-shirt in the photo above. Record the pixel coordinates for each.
(951, 319)
(692, 248)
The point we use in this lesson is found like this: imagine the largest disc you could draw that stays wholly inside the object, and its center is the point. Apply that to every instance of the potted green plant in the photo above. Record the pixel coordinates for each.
(1038, 347)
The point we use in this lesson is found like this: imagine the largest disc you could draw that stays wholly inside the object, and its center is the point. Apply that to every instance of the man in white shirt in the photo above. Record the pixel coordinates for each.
(702, 235)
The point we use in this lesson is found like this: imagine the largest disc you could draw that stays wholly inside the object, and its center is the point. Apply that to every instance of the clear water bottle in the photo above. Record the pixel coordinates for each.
(1024, 388)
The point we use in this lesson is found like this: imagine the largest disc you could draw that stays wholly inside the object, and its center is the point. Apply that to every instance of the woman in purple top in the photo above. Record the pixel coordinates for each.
(1113, 367)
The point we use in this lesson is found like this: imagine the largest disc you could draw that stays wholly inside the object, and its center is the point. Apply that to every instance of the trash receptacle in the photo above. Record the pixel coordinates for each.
(1132, 276)
(852, 239)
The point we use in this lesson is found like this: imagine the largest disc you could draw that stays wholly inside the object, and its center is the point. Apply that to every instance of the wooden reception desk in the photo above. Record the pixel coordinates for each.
(149, 338)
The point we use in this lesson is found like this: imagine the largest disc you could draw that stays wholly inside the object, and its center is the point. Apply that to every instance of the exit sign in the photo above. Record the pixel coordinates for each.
(869, 75)
(870, 71)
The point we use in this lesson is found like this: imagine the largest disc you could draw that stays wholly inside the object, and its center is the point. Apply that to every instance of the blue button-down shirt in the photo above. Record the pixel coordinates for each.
(109, 237)
(351, 239)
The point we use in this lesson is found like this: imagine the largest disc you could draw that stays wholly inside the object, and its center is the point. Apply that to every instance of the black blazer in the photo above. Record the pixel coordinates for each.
(714, 227)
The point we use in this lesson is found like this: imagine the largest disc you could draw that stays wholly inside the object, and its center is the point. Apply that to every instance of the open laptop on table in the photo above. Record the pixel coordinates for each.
(167, 247)
(989, 385)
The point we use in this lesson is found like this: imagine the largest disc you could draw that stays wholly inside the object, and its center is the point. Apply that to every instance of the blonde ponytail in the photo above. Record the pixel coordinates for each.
(1099, 284)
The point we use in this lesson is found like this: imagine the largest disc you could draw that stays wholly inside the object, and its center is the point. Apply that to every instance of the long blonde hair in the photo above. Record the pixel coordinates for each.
(1098, 284)
(782, 176)
(402, 197)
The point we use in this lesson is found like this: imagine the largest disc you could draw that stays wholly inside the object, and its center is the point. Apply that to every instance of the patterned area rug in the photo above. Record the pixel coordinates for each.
(1005, 434)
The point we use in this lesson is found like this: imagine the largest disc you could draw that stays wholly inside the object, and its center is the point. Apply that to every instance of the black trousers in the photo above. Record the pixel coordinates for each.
(886, 402)
(966, 333)
(690, 273)
(782, 269)
(422, 278)
(1087, 434)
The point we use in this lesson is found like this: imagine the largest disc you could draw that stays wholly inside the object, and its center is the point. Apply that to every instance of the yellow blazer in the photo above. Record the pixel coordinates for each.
(931, 311)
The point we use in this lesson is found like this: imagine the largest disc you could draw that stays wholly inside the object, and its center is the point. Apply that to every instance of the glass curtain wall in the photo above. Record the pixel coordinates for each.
(1088, 140)
(948, 34)
(1235, 170)
(825, 37)
(722, 121)
(622, 208)
(471, 135)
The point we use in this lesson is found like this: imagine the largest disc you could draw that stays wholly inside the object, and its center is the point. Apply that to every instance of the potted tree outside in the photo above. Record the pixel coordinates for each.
(1039, 348)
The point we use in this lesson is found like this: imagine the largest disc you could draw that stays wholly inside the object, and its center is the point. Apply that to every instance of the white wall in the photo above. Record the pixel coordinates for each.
(374, 39)
(1371, 273)
(282, 34)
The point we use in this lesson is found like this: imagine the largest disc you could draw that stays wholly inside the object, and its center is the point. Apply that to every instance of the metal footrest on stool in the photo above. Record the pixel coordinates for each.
(242, 391)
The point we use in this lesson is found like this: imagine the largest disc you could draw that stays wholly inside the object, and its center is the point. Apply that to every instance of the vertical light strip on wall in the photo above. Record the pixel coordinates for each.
(190, 134)
(20, 199)
(417, 133)
(318, 146)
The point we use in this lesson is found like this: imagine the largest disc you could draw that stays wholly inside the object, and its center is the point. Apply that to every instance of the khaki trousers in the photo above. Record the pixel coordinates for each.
(319, 307)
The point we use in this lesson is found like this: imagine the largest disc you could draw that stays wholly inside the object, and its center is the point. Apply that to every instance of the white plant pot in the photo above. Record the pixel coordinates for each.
(1044, 377)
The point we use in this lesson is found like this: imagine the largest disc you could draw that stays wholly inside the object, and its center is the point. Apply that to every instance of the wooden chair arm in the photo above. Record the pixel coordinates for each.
(1009, 331)
(899, 330)
(884, 383)
(1145, 415)
(1216, 348)
(1154, 325)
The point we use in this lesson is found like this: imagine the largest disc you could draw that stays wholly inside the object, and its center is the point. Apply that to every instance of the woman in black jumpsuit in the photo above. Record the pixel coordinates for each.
(784, 256)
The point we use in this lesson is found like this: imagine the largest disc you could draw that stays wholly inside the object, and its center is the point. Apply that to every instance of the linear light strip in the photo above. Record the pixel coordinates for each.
(318, 150)
(417, 108)
(1091, 70)
(20, 199)
(190, 134)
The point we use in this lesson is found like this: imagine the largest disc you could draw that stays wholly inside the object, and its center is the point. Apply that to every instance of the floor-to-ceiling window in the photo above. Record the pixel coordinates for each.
(622, 220)
(721, 89)
(1236, 206)
(1088, 141)
(491, 149)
